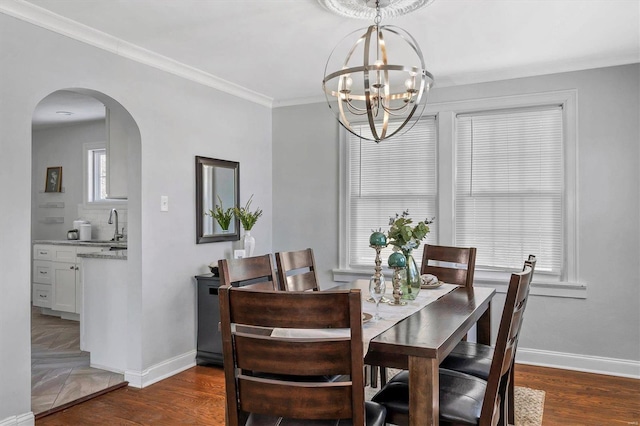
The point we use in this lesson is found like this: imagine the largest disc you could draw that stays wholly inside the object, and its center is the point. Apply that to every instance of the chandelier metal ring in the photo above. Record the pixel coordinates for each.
(392, 96)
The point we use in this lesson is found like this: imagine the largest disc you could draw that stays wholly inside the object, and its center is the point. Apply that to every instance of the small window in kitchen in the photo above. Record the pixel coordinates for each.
(96, 174)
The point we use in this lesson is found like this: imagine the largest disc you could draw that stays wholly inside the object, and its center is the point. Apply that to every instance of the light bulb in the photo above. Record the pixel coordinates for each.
(408, 83)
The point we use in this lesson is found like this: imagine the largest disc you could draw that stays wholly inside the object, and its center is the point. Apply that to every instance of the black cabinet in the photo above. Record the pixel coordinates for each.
(209, 344)
(209, 347)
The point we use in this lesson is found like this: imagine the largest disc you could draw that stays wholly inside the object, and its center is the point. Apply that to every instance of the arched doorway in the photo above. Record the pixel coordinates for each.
(86, 137)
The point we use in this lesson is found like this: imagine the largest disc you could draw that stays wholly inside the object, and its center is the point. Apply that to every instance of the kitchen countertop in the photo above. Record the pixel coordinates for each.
(111, 255)
(90, 243)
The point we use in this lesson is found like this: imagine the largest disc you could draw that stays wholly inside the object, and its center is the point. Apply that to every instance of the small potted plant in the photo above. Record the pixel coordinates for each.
(248, 219)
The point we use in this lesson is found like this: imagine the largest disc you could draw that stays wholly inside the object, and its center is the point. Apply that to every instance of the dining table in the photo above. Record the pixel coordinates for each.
(419, 342)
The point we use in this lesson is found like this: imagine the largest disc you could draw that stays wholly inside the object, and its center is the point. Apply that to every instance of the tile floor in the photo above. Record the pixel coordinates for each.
(60, 371)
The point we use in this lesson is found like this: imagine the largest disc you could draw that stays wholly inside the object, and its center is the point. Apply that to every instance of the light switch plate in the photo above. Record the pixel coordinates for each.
(164, 203)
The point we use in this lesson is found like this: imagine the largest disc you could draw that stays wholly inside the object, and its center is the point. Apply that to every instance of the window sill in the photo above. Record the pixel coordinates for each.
(538, 288)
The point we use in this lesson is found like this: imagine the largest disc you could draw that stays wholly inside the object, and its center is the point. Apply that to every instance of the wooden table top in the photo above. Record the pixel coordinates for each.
(433, 331)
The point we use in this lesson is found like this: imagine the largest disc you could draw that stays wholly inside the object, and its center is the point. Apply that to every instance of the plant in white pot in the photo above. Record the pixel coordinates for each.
(248, 218)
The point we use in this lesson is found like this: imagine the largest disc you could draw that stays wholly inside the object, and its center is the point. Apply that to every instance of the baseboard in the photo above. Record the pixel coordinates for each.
(585, 363)
(155, 373)
(105, 368)
(27, 419)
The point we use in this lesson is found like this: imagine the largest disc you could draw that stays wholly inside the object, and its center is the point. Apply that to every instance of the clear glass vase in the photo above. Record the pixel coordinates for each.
(410, 278)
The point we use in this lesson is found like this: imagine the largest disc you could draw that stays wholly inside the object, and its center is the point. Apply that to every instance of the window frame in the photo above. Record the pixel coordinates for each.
(345, 137)
(566, 285)
(86, 167)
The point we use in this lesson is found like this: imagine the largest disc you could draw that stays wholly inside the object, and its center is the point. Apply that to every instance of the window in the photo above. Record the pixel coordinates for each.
(385, 179)
(96, 173)
(497, 173)
(509, 187)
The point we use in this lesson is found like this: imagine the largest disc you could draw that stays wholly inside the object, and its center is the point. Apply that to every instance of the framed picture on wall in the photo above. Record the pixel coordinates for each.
(54, 180)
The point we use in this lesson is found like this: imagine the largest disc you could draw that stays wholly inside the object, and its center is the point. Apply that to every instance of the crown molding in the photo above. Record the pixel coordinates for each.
(299, 101)
(43, 18)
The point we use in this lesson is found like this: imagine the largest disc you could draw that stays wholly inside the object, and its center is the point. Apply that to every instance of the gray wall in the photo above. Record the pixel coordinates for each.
(305, 184)
(606, 324)
(178, 119)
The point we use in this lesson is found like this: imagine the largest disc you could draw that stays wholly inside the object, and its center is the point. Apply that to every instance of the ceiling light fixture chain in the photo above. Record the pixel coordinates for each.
(392, 97)
(378, 17)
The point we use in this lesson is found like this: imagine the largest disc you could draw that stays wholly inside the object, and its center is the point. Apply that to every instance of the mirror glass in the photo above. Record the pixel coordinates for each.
(217, 188)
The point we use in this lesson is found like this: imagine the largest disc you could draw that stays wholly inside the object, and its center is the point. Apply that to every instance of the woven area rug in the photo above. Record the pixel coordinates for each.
(529, 406)
(529, 403)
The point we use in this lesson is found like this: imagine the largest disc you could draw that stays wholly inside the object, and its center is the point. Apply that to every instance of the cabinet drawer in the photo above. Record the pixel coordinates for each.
(42, 252)
(42, 271)
(64, 254)
(42, 295)
(82, 250)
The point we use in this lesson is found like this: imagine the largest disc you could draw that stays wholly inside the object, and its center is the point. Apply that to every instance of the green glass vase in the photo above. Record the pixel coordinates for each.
(410, 278)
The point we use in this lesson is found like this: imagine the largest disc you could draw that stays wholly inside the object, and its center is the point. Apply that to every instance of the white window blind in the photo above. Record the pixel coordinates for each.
(509, 187)
(387, 178)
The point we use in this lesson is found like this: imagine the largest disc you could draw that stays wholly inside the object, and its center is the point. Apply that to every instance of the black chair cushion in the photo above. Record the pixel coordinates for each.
(375, 415)
(471, 358)
(461, 398)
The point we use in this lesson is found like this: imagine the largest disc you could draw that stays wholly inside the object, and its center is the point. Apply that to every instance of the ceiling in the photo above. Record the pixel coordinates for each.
(277, 49)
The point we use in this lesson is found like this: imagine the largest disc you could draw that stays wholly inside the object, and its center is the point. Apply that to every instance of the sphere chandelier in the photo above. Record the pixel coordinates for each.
(372, 95)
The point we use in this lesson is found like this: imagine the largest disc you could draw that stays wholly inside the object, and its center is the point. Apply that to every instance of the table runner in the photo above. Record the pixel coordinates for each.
(390, 315)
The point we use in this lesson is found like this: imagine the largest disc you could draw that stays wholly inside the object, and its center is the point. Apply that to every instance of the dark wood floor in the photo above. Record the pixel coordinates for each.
(196, 397)
(574, 398)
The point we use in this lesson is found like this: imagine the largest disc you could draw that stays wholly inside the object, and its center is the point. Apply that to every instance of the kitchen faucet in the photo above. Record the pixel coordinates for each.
(116, 236)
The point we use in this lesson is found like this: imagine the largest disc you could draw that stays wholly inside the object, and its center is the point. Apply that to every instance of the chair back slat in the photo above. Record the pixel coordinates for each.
(297, 270)
(285, 377)
(449, 254)
(294, 310)
(448, 275)
(256, 269)
(263, 353)
(297, 259)
(434, 256)
(312, 402)
(302, 282)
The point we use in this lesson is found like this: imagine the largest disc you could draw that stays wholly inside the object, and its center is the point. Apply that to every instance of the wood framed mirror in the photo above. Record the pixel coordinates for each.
(217, 184)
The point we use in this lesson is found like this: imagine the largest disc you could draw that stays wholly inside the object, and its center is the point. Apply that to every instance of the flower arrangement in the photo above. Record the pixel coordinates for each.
(222, 216)
(405, 237)
(247, 217)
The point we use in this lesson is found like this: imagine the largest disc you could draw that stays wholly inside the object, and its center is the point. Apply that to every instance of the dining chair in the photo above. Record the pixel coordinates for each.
(475, 358)
(449, 272)
(256, 272)
(465, 399)
(297, 270)
(270, 380)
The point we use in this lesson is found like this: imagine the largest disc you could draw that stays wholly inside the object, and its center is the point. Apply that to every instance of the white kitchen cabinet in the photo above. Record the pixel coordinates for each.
(56, 278)
(42, 271)
(42, 295)
(42, 252)
(63, 285)
(121, 132)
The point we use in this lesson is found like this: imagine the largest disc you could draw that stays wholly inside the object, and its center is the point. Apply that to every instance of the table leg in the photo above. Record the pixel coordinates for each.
(484, 327)
(424, 386)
